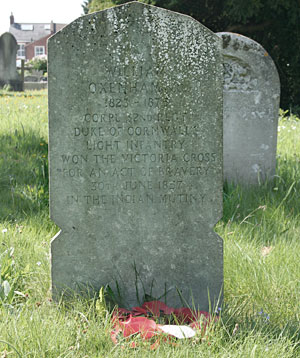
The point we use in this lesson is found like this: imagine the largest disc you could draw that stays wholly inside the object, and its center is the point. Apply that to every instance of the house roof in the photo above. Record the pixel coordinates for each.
(37, 41)
(30, 32)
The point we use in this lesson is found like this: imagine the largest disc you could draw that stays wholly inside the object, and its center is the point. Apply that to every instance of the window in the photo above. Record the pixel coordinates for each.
(47, 27)
(39, 50)
(26, 27)
(21, 51)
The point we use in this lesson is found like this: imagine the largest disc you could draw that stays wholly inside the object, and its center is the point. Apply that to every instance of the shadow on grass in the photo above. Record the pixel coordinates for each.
(23, 174)
(282, 193)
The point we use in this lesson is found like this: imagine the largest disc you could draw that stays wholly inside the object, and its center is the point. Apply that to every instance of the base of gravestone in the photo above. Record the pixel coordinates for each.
(172, 271)
(115, 295)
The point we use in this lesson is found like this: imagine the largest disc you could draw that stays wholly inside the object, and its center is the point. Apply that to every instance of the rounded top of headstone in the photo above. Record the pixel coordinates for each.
(8, 51)
(238, 42)
(140, 8)
(252, 55)
(8, 37)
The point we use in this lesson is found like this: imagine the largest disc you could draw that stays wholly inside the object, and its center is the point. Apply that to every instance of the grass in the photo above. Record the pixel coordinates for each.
(260, 228)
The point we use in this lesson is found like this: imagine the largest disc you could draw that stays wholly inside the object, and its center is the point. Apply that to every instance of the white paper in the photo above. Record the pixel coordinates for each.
(178, 331)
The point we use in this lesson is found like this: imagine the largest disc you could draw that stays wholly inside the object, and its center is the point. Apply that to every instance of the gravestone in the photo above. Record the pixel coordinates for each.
(135, 149)
(8, 68)
(251, 109)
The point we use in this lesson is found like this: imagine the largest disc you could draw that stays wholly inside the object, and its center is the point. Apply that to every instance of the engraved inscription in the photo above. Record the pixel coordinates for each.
(238, 75)
(138, 149)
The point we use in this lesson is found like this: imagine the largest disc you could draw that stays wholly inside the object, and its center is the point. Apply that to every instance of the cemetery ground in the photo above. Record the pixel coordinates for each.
(260, 316)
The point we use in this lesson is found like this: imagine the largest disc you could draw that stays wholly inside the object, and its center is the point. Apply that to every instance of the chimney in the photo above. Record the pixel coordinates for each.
(12, 19)
(52, 27)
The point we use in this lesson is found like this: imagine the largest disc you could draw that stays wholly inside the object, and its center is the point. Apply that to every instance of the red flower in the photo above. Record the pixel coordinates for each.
(156, 308)
(120, 314)
(146, 327)
(139, 311)
(129, 323)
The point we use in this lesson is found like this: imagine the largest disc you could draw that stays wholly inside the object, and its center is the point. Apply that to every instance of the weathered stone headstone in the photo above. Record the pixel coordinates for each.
(135, 110)
(251, 107)
(8, 69)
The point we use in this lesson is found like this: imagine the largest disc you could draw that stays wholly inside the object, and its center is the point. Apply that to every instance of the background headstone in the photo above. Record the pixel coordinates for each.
(135, 119)
(8, 67)
(251, 109)
(34, 76)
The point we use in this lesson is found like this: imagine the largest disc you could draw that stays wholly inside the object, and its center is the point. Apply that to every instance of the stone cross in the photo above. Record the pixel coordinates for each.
(135, 149)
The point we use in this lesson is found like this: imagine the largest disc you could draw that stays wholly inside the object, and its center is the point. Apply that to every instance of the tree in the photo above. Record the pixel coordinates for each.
(206, 11)
(85, 6)
(275, 24)
(97, 5)
(38, 63)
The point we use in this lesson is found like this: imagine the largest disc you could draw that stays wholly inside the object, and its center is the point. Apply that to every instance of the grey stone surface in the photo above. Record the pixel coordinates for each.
(30, 78)
(8, 68)
(35, 86)
(34, 76)
(251, 106)
(135, 146)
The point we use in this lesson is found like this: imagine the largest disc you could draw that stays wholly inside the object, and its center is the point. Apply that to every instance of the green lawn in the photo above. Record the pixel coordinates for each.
(260, 227)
